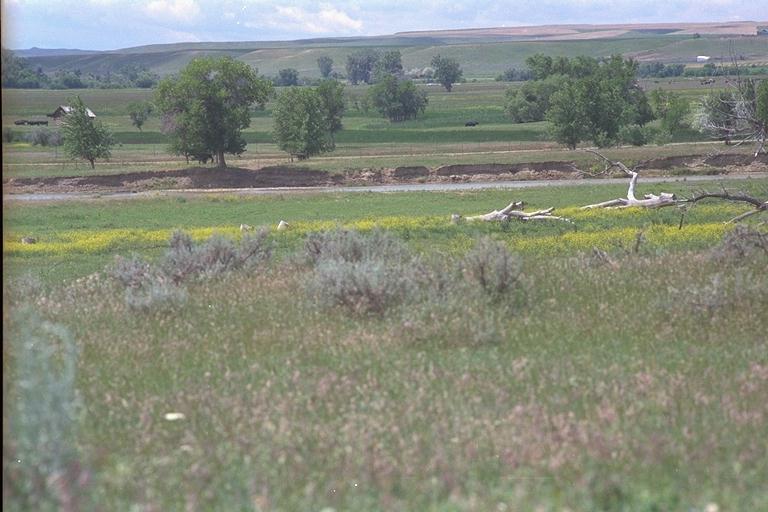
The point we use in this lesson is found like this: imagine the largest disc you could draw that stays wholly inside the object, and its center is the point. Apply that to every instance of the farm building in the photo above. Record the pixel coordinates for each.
(702, 58)
(63, 110)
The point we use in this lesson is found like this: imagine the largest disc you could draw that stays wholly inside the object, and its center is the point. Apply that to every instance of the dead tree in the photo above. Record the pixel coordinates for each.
(648, 201)
(759, 204)
(513, 211)
(734, 112)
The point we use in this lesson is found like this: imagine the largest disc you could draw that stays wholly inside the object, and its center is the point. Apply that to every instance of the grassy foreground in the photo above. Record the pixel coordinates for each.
(632, 380)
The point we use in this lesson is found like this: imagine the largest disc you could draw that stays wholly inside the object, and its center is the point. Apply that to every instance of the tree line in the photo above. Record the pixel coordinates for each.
(205, 108)
(17, 73)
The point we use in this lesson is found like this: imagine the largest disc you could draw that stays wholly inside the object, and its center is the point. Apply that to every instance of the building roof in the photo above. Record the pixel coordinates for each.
(66, 109)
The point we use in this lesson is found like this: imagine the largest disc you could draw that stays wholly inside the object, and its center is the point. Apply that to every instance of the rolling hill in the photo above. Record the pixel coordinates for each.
(482, 52)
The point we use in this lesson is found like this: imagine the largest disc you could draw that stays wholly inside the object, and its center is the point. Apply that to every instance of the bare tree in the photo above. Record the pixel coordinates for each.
(648, 201)
(735, 112)
(669, 199)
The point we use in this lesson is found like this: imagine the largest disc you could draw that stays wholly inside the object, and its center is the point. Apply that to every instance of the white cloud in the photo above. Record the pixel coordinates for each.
(183, 11)
(326, 20)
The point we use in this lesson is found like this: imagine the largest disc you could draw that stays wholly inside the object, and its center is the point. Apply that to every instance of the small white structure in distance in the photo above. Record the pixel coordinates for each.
(702, 58)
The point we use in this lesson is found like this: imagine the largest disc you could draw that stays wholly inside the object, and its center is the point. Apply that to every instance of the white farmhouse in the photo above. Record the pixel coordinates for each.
(702, 58)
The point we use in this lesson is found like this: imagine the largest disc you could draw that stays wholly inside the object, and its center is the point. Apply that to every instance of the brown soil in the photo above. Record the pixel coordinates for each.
(285, 176)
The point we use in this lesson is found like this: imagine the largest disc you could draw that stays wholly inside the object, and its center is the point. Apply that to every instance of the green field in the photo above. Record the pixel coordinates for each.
(367, 140)
(550, 377)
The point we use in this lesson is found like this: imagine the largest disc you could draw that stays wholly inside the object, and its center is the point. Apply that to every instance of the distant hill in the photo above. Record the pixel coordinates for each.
(482, 52)
(51, 52)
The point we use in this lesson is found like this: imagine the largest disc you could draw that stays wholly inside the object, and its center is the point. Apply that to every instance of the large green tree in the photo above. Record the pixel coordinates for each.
(208, 104)
(390, 63)
(531, 101)
(447, 71)
(85, 137)
(302, 126)
(397, 100)
(583, 98)
(287, 77)
(325, 63)
(331, 93)
(360, 65)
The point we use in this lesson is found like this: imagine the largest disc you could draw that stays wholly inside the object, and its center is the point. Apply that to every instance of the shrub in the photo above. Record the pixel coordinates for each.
(44, 137)
(24, 288)
(217, 255)
(741, 243)
(366, 274)
(133, 272)
(491, 266)
(149, 287)
(368, 286)
(157, 294)
(146, 288)
(634, 134)
(352, 246)
(9, 135)
(45, 408)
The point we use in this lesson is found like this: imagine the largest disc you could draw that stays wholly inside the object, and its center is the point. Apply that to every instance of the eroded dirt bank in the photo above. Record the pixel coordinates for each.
(285, 176)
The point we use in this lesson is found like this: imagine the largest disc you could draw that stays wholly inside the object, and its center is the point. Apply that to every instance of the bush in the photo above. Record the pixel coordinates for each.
(44, 409)
(633, 134)
(366, 274)
(149, 287)
(133, 272)
(491, 266)
(352, 246)
(44, 137)
(157, 294)
(741, 243)
(24, 288)
(146, 287)
(216, 256)
(368, 286)
(9, 135)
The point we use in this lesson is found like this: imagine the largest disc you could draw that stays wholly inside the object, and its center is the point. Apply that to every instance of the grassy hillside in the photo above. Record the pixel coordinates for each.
(481, 57)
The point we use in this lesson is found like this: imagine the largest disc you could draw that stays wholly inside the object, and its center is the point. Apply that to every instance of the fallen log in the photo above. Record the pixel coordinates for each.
(513, 210)
(648, 200)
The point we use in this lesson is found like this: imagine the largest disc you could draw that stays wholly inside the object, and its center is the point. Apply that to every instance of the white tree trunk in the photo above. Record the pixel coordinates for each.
(512, 211)
(648, 200)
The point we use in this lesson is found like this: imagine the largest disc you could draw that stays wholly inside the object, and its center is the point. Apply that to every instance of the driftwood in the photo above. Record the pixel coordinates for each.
(648, 201)
(513, 211)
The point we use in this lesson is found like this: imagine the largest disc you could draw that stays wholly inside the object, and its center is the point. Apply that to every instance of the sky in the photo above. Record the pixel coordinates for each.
(113, 24)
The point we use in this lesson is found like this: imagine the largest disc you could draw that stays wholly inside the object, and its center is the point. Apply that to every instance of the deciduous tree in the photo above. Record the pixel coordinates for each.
(325, 63)
(397, 100)
(447, 71)
(206, 107)
(360, 65)
(139, 112)
(287, 77)
(332, 95)
(85, 137)
(302, 126)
